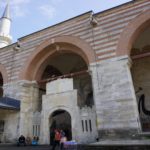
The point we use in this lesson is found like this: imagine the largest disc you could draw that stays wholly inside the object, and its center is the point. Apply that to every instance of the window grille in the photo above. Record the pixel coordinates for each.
(86, 125)
(82, 125)
(90, 124)
(36, 130)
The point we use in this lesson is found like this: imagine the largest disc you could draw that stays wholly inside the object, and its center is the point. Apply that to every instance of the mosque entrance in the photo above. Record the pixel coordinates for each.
(140, 55)
(65, 83)
(60, 120)
(68, 65)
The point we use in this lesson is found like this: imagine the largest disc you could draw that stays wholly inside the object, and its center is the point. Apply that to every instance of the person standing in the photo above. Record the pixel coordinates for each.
(57, 138)
(62, 141)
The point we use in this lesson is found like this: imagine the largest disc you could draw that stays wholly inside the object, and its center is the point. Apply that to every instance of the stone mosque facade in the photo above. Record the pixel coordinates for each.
(85, 76)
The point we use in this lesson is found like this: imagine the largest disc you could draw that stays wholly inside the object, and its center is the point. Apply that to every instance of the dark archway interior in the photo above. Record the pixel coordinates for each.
(60, 120)
(140, 55)
(62, 63)
(142, 43)
(1, 85)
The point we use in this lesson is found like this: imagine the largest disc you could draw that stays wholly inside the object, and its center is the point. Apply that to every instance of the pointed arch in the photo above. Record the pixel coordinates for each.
(51, 46)
(3, 71)
(131, 32)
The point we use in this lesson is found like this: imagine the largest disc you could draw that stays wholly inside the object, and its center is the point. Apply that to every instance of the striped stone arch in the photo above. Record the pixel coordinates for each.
(57, 44)
(3, 71)
(131, 32)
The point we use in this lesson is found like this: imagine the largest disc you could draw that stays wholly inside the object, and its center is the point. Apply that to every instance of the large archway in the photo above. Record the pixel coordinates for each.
(140, 70)
(54, 45)
(134, 42)
(132, 32)
(60, 120)
(71, 65)
(60, 57)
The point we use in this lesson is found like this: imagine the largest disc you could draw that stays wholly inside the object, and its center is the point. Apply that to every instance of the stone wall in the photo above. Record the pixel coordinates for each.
(11, 126)
(87, 117)
(83, 121)
(59, 100)
(27, 93)
(115, 100)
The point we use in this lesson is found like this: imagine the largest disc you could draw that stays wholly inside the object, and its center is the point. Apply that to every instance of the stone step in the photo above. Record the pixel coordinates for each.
(119, 145)
(135, 147)
(101, 145)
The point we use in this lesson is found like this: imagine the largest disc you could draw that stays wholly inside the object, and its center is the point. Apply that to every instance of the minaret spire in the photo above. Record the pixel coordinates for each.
(5, 24)
(6, 13)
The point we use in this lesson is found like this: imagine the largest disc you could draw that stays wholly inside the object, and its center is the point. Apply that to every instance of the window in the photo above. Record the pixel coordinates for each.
(82, 125)
(86, 125)
(36, 130)
(90, 124)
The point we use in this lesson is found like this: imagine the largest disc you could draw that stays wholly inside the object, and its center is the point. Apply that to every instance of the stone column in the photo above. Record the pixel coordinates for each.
(29, 104)
(114, 96)
(45, 133)
(27, 93)
(76, 124)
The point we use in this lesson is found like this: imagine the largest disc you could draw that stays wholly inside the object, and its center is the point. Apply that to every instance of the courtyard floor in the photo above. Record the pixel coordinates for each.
(10, 147)
(102, 145)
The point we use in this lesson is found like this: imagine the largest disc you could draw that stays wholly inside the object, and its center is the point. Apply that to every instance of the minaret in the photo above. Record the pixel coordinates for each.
(5, 23)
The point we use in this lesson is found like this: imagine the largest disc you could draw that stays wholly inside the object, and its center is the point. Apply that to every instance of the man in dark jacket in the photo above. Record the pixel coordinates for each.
(21, 141)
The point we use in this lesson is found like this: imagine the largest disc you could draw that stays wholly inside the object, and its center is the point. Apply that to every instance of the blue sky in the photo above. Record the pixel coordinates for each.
(29, 16)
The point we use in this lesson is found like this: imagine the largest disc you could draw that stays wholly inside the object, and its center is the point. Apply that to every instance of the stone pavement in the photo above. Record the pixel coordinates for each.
(122, 142)
(101, 145)
(12, 147)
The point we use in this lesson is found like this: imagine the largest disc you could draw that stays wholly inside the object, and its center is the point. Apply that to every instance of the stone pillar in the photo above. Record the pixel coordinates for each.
(45, 133)
(114, 96)
(29, 104)
(27, 92)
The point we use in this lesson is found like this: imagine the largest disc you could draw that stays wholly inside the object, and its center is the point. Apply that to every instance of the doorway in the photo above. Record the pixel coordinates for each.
(60, 120)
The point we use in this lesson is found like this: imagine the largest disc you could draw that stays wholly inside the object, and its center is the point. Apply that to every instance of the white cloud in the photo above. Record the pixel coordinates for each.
(17, 7)
(47, 10)
(15, 2)
(18, 12)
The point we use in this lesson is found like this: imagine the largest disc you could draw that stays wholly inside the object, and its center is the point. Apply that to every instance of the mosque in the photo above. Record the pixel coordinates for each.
(89, 75)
